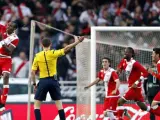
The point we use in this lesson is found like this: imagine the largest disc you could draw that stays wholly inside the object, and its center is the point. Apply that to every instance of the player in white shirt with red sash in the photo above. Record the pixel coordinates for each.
(112, 83)
(8, 42)
(135, 73)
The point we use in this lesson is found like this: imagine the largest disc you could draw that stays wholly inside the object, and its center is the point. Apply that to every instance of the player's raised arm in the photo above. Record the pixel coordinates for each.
(116, 79)
(120, 67)
(72, 45)
(91, 84)
(144, 73)
(101, 74)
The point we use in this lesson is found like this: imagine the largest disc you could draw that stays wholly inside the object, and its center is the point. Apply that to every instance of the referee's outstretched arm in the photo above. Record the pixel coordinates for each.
(44, 62)
(70, 46)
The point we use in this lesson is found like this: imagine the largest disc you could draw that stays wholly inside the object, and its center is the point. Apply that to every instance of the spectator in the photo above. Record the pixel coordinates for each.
(63, 62)
(153, 42)
(141, 43)
(24, 35)
(88, 17)
(58, 10)
(105, 19)
(20, 66)
(22, 11)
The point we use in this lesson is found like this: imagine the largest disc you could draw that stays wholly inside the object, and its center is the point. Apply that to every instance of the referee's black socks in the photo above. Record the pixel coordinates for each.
(37, 114)
(61, 114)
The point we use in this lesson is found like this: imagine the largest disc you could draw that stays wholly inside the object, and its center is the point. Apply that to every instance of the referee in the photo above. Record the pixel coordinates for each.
(46, 62)
(151, 88)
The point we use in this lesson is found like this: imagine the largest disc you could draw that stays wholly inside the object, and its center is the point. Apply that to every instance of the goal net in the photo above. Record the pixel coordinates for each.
(110, 42)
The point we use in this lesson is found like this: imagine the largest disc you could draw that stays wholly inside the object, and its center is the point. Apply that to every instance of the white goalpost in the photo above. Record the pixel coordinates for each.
(110, 42)
(30, 66)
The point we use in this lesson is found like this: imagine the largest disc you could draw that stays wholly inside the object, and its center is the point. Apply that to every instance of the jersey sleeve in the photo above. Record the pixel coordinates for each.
(100, 75)
(114, 76)
(157, 75)
(58, 53)
(35, 64)
(15, 43)
(143, 71)
(120, 65)
(2, 28)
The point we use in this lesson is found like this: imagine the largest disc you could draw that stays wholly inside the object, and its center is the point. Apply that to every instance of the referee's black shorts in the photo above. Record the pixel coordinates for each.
(46, 85)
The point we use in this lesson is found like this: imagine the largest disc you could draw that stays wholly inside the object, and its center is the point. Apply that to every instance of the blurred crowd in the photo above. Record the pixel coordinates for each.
(76, 17)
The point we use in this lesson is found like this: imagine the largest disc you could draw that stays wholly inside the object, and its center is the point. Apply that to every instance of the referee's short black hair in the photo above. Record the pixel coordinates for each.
(157, 51)
(46, 42)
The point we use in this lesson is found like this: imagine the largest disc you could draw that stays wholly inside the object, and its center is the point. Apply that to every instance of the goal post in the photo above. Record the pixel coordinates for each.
(93, 73)
(31, 52)
(111, 42)
(95, 39)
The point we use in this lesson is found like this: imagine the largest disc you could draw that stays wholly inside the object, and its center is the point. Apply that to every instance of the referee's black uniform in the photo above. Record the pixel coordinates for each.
(151, 88)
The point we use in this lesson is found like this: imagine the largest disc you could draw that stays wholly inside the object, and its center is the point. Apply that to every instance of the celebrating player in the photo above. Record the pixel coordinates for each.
(156, 58)
(112, 83)
(46, 62)
(9, 41)
(135, 72)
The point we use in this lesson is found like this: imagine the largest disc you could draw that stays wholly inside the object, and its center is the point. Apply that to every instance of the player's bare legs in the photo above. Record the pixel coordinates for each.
(59, 104)
(143, 106)
(5, 90)
(109, 114)
(37, 111)
(155, 107)
(60, 109)
(121, 101)
(154, 103)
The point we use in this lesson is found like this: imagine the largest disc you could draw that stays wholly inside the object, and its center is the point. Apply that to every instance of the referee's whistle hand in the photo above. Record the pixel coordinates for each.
(35, 89)
(79, 38)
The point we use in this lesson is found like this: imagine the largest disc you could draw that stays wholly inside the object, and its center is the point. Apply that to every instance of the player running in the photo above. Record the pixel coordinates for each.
(112, 83)
(135, 72)
(156, 58)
